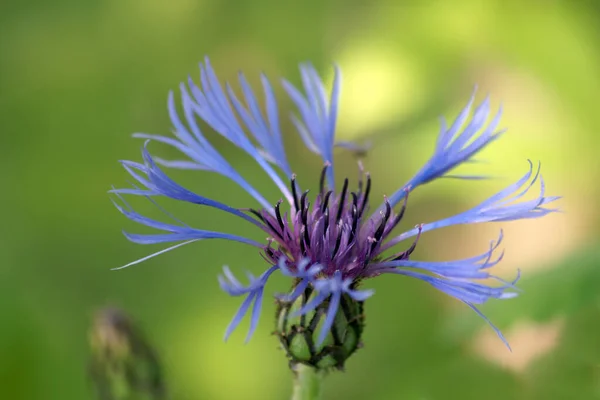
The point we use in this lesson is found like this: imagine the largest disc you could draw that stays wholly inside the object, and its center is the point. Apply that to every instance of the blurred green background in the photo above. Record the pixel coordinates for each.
(78, 77)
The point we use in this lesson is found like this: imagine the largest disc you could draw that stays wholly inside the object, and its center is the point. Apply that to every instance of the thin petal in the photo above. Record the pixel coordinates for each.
(238, 316)
(318, 114)
(155, 254)
(498, 332)
(454, 146)
(254, 292)
(503, 206)
(334, 304)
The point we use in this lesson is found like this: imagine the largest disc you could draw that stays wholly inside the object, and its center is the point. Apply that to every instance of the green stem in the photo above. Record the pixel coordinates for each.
(307, 383)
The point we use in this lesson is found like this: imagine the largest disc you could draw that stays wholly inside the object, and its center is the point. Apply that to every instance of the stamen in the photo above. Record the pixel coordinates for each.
(366, 196)
(306, 236)
(269, 224)
(405, 254)
(399, 216)
(304, 214)
(322, 179)
(278, 215)
(264, 257)
(342, 200)
(326, 201)
(302, 245)
(295, 192)
(379, 232)
(354, 199)
(338, 240)
(273, 229)
(303, 200)
(269, 254)
(269, 251)
(361, 172)
(258, 214)
(316, 231)
(304, 207)
(354, 223)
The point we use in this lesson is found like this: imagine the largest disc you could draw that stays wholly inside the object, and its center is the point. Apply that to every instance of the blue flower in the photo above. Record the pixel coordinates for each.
(331, 245)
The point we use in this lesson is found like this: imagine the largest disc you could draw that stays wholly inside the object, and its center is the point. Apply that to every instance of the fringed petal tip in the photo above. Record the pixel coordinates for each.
(155, 182)
(153, 254)
(494, 327)
(460, 279)
(254, 296)
(318, 113)
(458, 144)
(178, 232)
(506, 205)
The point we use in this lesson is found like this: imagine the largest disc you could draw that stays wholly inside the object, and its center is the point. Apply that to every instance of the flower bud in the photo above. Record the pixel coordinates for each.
(123, 366)
(299, 334)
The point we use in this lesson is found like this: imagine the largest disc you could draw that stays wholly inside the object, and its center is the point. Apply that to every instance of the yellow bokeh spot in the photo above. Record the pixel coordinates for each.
(380, 86)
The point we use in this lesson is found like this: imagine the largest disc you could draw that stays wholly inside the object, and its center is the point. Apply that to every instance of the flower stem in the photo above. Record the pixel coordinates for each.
(307, 383)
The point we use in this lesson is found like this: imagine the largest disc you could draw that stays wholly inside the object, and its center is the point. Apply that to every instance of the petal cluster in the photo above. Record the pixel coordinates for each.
(328, 242)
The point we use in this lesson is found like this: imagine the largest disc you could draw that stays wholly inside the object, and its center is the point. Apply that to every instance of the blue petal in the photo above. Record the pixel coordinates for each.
(297, 292)
(213, 106)
(181, 236)
(158, 183)
(454, 146)
(503, 206)
(184, 233)
(334, 304)
(301, 269)
(451, 276)
(256, 310)
(459, 278)
(360, 295)
(181, 164)
(254, 292)
(457, 269)
(268, 135)
(239, 315)
(177, 233)
(332, 288)
(312, 304)
(318, 114)
(464, 290)
(154, 254)
(303, 272)
(486, 319)
(199, 157)
(277, 152)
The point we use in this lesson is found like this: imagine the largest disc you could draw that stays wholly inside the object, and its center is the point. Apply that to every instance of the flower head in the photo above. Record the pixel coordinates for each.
(123, 364)
(327, 242)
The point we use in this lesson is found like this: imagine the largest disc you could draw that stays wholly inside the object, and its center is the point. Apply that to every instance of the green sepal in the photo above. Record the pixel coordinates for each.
(298, 334)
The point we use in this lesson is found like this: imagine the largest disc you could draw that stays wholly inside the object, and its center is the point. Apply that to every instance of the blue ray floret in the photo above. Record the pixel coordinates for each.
(254, 292)
(332, 288)
(305, 272)
(326, 244)
(318, 114)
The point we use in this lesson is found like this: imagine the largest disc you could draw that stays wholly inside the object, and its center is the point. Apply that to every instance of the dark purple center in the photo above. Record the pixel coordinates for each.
(333, 231)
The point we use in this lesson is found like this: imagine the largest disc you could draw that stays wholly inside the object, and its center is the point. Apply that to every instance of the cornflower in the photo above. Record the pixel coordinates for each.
(329, 243)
